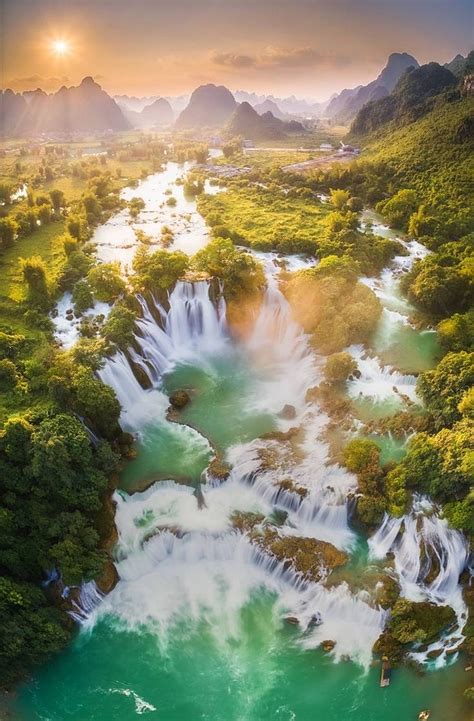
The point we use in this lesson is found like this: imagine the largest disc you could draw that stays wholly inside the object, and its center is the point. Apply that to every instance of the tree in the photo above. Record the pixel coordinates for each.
(34, 274)
(159, 270)
(119, 328)
(238, 271)
(339, 367)
(339, 198)
(6, 192)
(8, 231)
(57, 199)
(82, 296)
(399, 208)
(457, 333)
(106, 281)
(97, 402)
(8, 374)
(443, 387)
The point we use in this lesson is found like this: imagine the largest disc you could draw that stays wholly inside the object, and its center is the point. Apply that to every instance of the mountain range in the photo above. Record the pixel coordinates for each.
(76, 109)
(88, 108)
(158, 114)
(345, 106)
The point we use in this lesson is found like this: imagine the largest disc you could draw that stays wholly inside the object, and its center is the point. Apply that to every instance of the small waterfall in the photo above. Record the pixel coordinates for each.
(429, 557)
(87, 601)
(193, 328)
(380, 383)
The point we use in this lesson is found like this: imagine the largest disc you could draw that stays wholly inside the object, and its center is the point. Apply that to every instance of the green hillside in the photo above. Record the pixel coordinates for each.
(433, 155)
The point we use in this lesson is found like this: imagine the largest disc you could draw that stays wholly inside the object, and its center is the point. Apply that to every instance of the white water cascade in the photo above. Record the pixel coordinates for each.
(429, 557)
(191, 331)
(203, 570)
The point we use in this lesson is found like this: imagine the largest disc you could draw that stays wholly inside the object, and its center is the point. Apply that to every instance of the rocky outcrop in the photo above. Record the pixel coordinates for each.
(310, 557)
(179, 399)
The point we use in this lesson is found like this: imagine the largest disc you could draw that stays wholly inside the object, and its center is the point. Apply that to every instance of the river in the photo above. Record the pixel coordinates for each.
(197, 627)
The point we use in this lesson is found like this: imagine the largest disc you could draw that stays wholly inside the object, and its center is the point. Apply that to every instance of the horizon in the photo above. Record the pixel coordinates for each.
(311, 50)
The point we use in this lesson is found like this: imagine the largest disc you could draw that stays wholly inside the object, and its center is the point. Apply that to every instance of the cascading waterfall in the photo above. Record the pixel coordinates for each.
(380, 383)
(205, 571)
(206, 578)
(429, 557)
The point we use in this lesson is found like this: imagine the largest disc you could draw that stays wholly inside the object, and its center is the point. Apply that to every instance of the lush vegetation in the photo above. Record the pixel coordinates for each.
(331, 305)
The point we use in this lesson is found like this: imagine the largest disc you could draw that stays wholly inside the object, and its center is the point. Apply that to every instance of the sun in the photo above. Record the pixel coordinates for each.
(60, 47)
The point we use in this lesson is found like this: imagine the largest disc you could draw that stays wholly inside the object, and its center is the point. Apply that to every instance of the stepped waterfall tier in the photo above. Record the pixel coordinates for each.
(260, 570)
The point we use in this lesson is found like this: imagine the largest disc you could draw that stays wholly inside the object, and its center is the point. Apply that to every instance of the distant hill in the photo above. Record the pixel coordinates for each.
(245, 121)
(76, 109)
(344, 107)
(411, 98)
(269, 106)
(209, 106)
(429, 140)
(158, 114)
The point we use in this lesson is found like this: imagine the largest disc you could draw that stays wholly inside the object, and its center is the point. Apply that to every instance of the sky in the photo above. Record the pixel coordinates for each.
(310, 48)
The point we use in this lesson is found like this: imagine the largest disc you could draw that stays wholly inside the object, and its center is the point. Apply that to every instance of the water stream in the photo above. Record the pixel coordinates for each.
(197, 626)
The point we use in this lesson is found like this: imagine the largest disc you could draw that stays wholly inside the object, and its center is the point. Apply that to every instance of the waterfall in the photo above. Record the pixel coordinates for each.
(193, 329)
(87, 601)
(380, 383)
(199, 577)
(429, 557)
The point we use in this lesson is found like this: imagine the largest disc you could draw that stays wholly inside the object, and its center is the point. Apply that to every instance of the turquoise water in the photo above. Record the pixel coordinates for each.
(222, 654)
(262, 675)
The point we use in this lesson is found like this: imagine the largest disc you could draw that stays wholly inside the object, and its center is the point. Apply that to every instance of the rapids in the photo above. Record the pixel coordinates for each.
(197, 626)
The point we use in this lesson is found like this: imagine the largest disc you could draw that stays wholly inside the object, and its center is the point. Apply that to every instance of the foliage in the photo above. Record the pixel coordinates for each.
(34, 273)
(362, 456)
(51, 484)
(443, 387)
(119, 327)
(339, 367)
(106, 281)
(158, 270)
(239, 272)
(331, 305)
(82, 296)
(457, 332)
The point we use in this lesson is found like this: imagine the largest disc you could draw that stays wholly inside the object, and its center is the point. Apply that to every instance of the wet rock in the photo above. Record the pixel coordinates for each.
(108, 578)
(453, 650)
(434, 653)
(328, 645)
(308, 556)
(219, 469)
(281, 435)
(287, 484)
(312, 395)
(179, 399)
(246, 521)
(288, 412)
(292, 620)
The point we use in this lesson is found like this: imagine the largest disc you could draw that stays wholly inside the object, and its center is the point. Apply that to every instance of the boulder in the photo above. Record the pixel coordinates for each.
(219, 469)
(288, 412)
(327, 645)
(179, 399)
(109, 577)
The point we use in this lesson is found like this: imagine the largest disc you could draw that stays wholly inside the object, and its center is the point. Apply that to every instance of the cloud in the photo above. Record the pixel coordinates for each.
(31, 82)
(276, 57)
(299, 58)
(232, 60)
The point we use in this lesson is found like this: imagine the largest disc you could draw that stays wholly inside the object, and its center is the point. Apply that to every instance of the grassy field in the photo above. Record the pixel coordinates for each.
(266, 219)
(45, 242)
